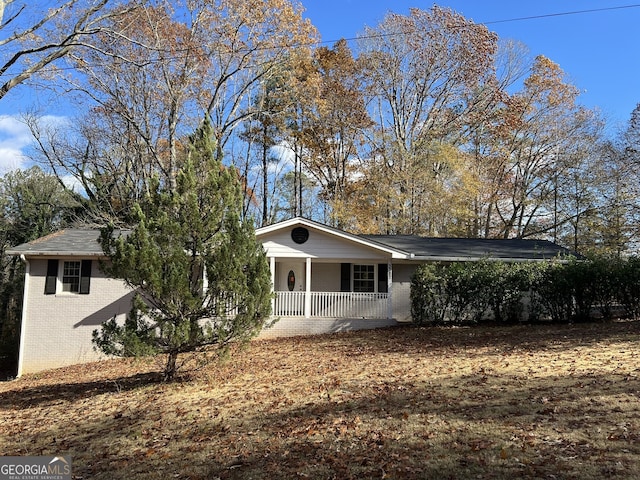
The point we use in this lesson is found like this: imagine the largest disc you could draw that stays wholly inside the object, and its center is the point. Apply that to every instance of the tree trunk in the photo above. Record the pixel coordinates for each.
(265, 178)
(171, 367)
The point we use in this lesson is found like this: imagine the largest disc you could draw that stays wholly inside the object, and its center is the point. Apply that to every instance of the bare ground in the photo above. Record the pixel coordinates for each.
(547, 402)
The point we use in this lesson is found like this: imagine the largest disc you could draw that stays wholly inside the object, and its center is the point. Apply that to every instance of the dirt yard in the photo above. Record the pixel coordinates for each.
(544, 402)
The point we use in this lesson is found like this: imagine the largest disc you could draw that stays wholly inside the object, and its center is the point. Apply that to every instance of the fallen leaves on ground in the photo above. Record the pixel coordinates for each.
(404, 403)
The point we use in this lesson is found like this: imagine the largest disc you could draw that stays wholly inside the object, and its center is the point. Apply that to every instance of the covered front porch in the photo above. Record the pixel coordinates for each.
(331, 305)
(323, 288)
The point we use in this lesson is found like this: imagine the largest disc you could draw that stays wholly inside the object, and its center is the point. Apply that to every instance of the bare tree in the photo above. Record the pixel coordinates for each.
(150, 76)
(31, 40)
(334, 131)
(247, 42)
(543, 135)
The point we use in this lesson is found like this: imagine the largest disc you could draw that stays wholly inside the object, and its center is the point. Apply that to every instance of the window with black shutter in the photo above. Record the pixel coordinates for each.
(345, 277)
(364, 278)
(71, 277)
(75, 277)
(52, 277)
(383, 286)
(85, 277)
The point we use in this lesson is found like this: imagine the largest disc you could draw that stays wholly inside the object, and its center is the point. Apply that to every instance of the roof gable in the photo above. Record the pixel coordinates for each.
(413, 247)
(277, 237)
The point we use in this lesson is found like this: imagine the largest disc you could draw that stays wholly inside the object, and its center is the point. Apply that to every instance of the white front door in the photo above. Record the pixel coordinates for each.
(291, 277)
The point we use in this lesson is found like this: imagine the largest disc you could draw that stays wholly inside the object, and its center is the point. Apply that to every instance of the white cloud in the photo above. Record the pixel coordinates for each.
(52, 121)
(11, 159)
(15, 128)
(284, 155)
(72, 183)
(15, 138)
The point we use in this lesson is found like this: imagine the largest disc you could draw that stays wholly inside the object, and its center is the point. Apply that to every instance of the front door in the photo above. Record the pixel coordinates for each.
(291, 277)
(290, 285)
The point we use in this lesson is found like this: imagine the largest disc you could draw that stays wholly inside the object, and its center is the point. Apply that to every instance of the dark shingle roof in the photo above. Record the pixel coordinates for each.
(71, 241)
(472, 248)
(84, 242)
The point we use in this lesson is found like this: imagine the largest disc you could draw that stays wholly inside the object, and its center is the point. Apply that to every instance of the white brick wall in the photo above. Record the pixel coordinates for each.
(58, 328)
(293, 326)
(401, 297)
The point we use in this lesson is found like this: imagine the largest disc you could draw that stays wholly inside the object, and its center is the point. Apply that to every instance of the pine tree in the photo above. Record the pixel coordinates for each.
(201, 278)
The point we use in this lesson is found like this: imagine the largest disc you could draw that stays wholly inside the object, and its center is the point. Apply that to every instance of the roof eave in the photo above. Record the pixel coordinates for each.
(435, 258)
(55, 254)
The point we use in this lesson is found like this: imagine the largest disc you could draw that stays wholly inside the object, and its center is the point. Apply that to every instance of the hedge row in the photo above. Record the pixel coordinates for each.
(571, 291)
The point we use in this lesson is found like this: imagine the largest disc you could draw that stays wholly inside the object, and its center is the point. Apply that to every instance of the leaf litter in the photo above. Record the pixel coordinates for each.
(404, 403)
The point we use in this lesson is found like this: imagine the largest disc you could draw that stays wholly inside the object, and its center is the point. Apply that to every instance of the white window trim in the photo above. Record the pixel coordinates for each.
(59, 283)
(375, 276)
(60, 280)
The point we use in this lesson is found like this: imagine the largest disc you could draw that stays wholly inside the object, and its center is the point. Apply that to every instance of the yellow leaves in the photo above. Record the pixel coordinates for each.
(547, 85)
(271, 23)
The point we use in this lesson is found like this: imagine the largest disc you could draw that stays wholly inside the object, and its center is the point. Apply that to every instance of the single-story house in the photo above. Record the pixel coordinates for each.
(325, 280)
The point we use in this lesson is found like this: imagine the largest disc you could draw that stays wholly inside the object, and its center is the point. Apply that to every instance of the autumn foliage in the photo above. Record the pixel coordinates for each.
(426, 124)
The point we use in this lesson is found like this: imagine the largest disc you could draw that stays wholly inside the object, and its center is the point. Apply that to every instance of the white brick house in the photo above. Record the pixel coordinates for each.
(325, 280)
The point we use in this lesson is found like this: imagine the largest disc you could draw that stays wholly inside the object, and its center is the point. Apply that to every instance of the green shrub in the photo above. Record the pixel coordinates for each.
(466, 292)
(560, 291)
(511, 287)
(429, 298)
(605, 274)
(628, 286)
(552, 293)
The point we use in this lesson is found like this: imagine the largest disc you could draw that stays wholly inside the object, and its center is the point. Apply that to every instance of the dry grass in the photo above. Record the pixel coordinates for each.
(514, 402)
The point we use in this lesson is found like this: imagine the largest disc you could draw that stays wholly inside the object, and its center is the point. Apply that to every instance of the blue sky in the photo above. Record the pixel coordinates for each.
(599, 51)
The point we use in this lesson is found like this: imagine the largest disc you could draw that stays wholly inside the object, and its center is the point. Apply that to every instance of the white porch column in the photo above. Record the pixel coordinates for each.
(272, 267)
(389, 289)
(307, 289)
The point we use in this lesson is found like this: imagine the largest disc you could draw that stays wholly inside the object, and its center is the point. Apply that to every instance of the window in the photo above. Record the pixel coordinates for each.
(73, 277)
(364, 278)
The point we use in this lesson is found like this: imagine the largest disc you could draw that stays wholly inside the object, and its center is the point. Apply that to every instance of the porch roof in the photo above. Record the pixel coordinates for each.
(345, 237)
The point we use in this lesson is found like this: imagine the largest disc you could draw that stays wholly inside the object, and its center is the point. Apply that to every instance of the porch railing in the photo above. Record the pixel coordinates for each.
(332, 304)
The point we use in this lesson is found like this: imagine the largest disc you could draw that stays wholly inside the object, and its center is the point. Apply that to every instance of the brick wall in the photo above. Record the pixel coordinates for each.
(58, 328)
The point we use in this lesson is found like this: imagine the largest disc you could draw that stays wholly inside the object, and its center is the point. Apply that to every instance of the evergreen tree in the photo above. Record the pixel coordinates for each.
(200, 276)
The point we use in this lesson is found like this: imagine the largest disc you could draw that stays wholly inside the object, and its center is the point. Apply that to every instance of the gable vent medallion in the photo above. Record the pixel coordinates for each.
(300, 235)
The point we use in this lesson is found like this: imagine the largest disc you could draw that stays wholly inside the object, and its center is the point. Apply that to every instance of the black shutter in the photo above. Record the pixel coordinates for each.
(52, 277)
(383, 286)
(345, 277)
(85, 277)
